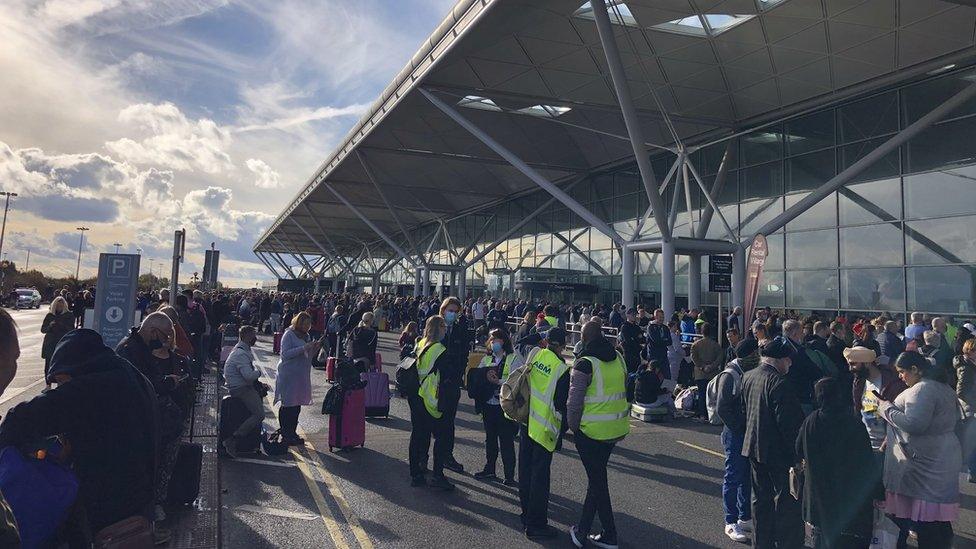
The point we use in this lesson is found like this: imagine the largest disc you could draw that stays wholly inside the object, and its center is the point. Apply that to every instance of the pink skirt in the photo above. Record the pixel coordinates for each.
(906, 507)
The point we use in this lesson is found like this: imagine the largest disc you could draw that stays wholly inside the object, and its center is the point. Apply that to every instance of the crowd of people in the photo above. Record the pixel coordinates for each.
(864, 410)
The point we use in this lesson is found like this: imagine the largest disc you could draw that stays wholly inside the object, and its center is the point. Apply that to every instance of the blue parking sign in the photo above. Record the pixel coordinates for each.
(115, 296)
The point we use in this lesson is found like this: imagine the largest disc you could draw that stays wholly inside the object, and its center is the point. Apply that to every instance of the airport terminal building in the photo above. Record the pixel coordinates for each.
(602, 151)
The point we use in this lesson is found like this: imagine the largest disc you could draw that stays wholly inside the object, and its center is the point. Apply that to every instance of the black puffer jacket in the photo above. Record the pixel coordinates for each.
(107, 413)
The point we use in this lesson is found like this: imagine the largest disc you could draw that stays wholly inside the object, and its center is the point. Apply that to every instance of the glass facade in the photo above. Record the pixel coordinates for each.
(901, 236)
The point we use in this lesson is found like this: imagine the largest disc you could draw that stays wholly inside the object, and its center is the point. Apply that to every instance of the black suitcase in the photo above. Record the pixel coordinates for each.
(184, 484)
(233, 412)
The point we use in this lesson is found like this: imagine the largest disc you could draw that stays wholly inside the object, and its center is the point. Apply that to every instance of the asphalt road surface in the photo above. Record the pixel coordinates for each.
(30, 368)
(665, 481)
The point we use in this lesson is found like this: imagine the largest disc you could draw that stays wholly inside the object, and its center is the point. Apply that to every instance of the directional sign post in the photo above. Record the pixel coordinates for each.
(115, 296)
(720, 282)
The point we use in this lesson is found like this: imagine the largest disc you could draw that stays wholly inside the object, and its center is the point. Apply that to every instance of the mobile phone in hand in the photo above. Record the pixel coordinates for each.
(876, 394)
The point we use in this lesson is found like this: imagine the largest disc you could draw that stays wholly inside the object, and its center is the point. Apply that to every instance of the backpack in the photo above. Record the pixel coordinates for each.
(407, 377)
(711, 391)
(827, 366)
(514, 393)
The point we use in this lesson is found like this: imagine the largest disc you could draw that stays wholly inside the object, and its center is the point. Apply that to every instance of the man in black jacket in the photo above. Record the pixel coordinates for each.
(836, 345)
(458, 344)
(106, 410)
(773, 418)
(631, 339)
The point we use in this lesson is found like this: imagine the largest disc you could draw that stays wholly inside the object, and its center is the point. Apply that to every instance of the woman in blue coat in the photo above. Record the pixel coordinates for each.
(293, 385)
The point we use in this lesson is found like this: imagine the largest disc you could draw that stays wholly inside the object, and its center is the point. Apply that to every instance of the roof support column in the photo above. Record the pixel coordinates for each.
(673, 213)
(739, 280)
(474, 241)
(869, 159)
(631, 120)
(276, 257)
(713, 206)
(627, 276)
(416, 282)
(426, 289)
(664, 185)
(369, 223)
(527, 170)
(462, 283)
(717, 187)
(694, 281)
(268, 265)
(667, 277)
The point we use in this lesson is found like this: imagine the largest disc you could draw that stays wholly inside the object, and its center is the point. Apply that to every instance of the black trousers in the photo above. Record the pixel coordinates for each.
(423, 427)
(499, 433)
(450, 412)
(595, 455)
(288, 420)
(701, 410)
(775, 512)
(931, 535)
(534, 462)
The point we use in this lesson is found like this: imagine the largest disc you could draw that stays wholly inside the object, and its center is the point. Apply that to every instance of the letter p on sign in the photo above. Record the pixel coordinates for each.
(119, 267)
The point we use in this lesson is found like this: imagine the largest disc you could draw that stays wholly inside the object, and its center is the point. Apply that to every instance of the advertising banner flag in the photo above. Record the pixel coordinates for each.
(754, 271)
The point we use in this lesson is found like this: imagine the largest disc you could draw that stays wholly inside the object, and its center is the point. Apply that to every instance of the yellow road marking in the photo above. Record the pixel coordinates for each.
(312, 459)
(706, 450)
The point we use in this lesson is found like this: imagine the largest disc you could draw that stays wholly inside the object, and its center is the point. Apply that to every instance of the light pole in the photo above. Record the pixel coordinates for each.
(81, 244)
(117, 246)
(6, 207)
(27, 263)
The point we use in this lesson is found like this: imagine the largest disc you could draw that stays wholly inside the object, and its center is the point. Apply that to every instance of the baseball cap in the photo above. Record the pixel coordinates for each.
(746, 347)
(777, 348)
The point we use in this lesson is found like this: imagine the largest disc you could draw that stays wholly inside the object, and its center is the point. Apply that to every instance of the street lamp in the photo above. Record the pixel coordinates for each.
(117, 246)
(81, 244)
(6, 207)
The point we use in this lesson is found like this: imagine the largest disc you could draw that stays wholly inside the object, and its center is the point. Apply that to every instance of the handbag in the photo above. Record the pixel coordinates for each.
(796, 480)
(273, 443)
(261, 388)
(332, 403)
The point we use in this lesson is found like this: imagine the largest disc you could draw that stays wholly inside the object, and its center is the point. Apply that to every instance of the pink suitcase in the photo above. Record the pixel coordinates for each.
(330, 368)
(276, 347)
(377, 394)
(378, 362)
(348, 429)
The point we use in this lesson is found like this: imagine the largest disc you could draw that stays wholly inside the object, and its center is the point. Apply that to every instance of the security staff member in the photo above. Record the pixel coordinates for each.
(426, 419)
(597, 412)
(547, 404)
(457, 345)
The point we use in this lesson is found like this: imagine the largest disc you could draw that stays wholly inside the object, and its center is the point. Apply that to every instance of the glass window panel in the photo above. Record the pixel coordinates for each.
(870, 117)
(873, 289)
(625, 208)
(543, 244)
(812, 289)
(761, 146)
(942, 193)
(711, 159)
(919, 99)
(774, 259)
(763, 181)
(821, 214)
(871, 201)
(755, 212)
(627, 183)
(951, 240)
(599, 240)
(943, 145)
(602, 186)
(772, 291)
(887, 166)
(947, 289)
(871, 245)
(811, 249)
(577, 262)
(716, 229)
(603, 208)
(809, 171)
(581, 192)
(810, 133)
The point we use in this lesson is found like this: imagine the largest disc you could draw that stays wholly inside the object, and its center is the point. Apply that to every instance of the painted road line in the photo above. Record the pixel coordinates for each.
(15, 392)
(275, 512)
(336, 493)
(265, 462)
(328, 519)
(706, 450)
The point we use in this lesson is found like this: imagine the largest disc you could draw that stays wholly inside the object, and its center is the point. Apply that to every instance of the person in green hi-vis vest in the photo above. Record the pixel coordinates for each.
(549, 387)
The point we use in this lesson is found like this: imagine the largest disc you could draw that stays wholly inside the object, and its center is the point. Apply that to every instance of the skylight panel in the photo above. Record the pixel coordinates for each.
(709, 24)
(478, 102)
(546, 111)
(625, 17)
(766, 4)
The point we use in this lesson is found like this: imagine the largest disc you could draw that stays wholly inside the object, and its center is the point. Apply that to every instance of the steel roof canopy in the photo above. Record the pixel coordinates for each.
(783, 57)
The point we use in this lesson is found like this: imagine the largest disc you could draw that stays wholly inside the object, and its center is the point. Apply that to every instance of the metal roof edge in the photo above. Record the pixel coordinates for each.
(461, 18)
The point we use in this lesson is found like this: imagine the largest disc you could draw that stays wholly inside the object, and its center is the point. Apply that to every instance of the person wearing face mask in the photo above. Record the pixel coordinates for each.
(499, 430)
(457, 344)
(773, 417)
(239, 377)
(426, 418)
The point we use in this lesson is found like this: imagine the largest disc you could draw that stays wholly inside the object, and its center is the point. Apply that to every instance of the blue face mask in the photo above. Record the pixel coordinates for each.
(450, 316)
(496, 346)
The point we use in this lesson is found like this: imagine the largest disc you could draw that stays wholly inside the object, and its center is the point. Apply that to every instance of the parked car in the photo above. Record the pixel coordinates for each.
(28, 298)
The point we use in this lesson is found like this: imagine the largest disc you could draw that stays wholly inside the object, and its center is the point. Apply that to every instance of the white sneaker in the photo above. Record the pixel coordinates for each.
(735, 534)
(745, 525)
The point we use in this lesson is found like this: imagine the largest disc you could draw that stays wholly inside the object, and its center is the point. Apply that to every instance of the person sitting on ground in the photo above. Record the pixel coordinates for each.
(841, 480)
(106, 411)
(240, 374)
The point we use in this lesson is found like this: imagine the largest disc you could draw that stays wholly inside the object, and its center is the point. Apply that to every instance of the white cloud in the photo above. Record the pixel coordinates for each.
(267, 178)
(173, 140)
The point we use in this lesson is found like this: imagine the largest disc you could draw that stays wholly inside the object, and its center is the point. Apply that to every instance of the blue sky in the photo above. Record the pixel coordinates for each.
(138, 117)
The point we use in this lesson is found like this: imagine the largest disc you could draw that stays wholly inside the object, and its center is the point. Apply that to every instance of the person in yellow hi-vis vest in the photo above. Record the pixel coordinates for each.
(599, 415)
(549, 386)
(425, 418)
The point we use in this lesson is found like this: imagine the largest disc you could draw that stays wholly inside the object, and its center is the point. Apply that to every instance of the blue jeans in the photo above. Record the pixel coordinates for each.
(736, 485)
